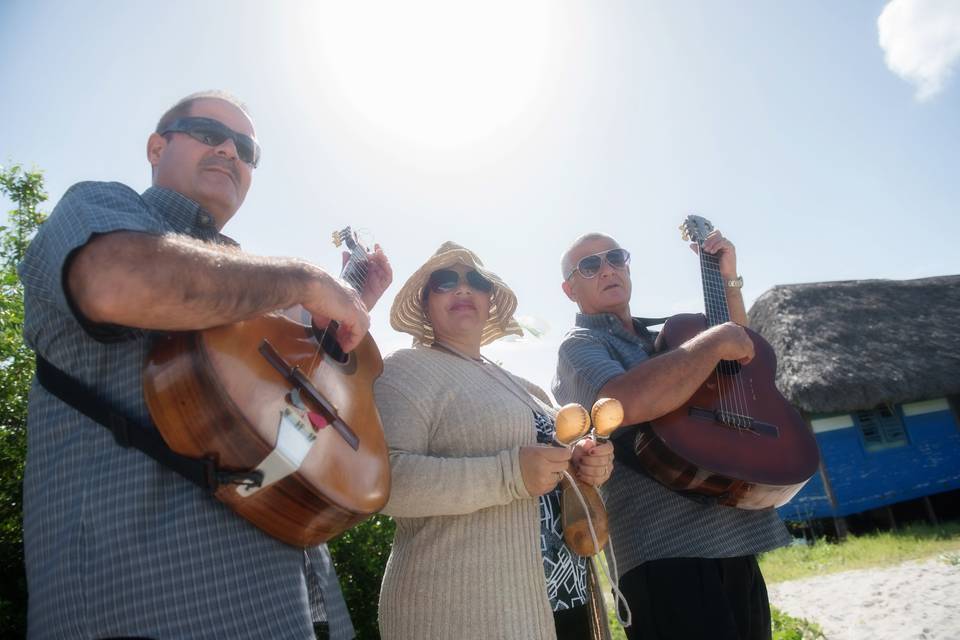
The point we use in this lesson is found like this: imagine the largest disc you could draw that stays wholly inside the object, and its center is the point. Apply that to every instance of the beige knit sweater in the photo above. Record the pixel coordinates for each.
(466, 559)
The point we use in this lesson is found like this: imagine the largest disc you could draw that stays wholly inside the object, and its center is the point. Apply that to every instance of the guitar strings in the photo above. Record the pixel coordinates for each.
(717, 315)
(711, 311)
(734, 382)
(355, 274)
(355, 279)
(731, 387)
(737, 379)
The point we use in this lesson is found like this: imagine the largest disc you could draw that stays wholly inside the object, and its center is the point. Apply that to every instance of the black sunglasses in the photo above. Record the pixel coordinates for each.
(589, 266)
(446, 280)
(213, 133)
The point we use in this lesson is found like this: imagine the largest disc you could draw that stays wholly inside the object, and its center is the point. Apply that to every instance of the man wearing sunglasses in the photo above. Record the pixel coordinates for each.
(116, 544)
(687, 566)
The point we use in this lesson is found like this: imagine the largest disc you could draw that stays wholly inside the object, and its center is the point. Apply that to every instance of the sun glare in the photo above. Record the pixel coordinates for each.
(436, 73)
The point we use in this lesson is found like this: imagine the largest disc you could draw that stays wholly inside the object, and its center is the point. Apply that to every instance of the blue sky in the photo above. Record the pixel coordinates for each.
(513, 127)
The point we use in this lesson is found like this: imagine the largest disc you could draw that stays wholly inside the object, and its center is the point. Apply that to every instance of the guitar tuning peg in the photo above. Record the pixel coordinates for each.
(337, 240)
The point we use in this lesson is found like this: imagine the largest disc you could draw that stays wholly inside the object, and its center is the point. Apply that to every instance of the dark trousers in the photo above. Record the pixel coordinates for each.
(697, 598)
(572, 624)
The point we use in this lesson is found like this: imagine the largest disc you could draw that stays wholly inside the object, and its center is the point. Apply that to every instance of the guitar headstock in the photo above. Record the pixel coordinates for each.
(695, 228)
(348, 237)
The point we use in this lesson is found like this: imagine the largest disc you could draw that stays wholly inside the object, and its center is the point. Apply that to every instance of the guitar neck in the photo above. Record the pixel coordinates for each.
(355, 271)
(714, 289)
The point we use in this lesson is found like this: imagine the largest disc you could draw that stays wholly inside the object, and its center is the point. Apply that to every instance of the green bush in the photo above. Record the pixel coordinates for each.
(360, 556)
(25, 189)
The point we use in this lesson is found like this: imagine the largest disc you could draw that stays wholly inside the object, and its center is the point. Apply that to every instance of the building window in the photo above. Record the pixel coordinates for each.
(881, 428)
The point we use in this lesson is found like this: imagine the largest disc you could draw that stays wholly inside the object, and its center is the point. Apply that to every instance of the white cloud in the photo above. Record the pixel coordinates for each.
(921, 41)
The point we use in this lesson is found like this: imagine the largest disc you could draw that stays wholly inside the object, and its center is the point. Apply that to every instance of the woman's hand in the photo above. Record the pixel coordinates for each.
(541, 467)
(593, 462)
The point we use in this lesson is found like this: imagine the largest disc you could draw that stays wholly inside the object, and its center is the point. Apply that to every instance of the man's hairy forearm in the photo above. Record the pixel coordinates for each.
(176, 283)
(664, 382)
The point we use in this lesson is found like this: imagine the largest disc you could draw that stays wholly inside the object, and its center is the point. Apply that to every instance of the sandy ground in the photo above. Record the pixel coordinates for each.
(914, 600)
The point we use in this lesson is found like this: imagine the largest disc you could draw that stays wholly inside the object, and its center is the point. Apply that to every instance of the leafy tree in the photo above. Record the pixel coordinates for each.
(25, 189)
(360, 556)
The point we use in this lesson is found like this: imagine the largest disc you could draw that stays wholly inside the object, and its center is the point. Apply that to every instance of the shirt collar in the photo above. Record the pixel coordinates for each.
(610, 322)
(185, 215)
(597, 320)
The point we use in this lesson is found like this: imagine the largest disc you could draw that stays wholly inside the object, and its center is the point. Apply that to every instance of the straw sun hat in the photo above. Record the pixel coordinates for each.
(407, 314)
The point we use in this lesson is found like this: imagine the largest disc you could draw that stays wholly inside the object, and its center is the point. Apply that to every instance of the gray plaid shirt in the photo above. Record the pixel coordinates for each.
(647, 520)
(115, 544)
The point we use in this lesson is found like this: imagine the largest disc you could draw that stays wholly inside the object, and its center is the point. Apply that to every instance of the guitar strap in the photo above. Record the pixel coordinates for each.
(622, 441)
(623, 438)
(203, 472)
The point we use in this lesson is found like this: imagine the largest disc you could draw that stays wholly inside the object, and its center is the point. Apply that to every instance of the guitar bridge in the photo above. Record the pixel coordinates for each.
(296, 377)
(736, 421)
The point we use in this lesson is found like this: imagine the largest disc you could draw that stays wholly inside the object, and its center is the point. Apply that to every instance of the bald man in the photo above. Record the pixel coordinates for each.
(687, 566)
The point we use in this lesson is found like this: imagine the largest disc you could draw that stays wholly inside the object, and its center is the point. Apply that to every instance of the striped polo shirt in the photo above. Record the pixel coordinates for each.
(647, 520)
(116, 544)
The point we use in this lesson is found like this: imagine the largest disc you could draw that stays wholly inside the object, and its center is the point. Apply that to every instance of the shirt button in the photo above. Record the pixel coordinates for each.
(205, 219)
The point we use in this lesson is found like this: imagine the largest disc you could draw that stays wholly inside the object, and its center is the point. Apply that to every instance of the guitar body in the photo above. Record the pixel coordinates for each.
(707, 447)
(212, 393)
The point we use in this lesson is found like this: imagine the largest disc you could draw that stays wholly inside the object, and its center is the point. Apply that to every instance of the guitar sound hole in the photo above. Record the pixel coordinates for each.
(328, 342)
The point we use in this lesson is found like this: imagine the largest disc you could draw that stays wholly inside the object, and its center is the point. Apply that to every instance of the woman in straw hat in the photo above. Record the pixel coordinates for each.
(478, 551)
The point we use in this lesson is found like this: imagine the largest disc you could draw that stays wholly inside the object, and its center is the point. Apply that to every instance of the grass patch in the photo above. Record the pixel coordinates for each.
(861, 552)
(856, 552)
(616, 631)
(786, 627)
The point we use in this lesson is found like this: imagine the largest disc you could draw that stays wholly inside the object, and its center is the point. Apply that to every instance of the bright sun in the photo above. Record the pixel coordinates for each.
(435, 72)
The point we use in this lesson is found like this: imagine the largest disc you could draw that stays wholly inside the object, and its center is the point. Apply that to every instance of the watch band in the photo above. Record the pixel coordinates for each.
(736, 283)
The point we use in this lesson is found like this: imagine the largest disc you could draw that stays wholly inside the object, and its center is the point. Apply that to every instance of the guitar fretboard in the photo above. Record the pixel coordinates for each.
(355, 271)
(714, 290)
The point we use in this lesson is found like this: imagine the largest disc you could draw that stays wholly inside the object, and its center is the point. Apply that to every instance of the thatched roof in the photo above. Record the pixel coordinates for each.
(843, 346)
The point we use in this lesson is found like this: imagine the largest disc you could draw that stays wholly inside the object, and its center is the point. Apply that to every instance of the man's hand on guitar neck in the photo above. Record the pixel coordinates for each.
(378, 276)
(726, 253)
(327, 297)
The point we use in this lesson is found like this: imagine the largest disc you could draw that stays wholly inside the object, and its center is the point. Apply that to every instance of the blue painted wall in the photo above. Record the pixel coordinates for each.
(861, 480)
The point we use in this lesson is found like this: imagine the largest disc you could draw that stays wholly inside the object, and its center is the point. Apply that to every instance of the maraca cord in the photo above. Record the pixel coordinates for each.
(618, 595)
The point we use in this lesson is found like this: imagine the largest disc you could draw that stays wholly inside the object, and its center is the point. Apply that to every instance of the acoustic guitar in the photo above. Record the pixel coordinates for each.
(737, 439)
(276, 400)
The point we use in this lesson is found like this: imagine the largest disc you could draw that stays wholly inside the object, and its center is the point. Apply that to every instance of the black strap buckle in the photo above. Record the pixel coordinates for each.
(120, 429)
(249, 479)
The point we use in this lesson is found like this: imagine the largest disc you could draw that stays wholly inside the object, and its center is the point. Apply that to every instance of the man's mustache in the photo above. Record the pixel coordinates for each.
(222, 163)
